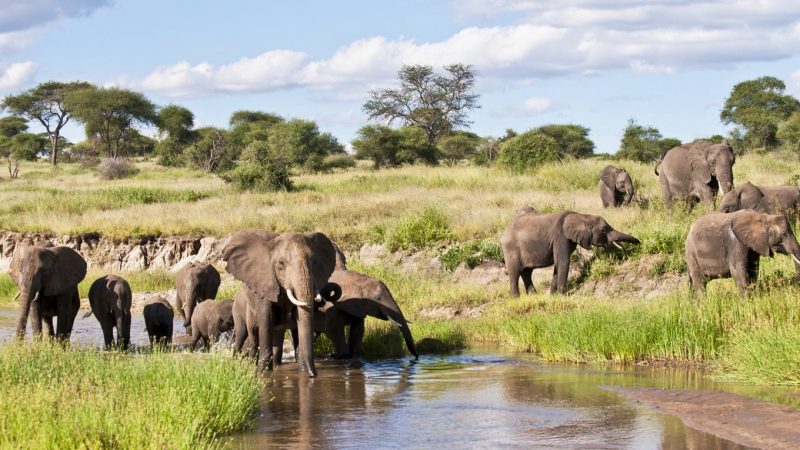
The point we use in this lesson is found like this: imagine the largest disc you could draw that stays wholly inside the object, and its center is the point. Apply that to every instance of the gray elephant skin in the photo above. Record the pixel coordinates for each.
(533, 240)
(616, 187)
(721, 245)
(194, 283)
(696, 171)
(284, 274)
(158, 318)
(211, 318)
(784, 199)
(110, 298)
(47, 278)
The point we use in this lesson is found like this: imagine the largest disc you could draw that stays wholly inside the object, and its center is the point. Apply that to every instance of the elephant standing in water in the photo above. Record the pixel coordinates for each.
(110, 298)
(616, 187)
(210, 320)
(535, 240)
(784, 199)
(283, 274)
(721, 245)
(696, 171)
(47, 278)
(194, 283)
(158, 318)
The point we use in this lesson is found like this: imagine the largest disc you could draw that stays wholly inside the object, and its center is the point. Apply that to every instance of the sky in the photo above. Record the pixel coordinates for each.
(665, 63)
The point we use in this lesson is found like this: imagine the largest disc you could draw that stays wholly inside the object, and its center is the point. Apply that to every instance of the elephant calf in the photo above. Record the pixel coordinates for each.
(210, 319)
(616, 187)
(193, 284)
(784, 199)
(158, 319)
(535, 240)
(722, 245)
(110, 298)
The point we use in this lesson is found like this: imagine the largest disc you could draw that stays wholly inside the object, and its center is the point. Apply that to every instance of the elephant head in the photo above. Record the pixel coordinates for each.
(44, 271)
(745, 196)
(616, 179)
(710, 161)
(587, 230)
(287, 268)
(194, 283)
(766, 234)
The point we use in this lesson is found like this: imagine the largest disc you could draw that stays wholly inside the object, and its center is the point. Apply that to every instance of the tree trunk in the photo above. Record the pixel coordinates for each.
(54, 148)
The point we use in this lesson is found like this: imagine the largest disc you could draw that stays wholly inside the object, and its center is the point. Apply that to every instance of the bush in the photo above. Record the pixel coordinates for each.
(115, 169)
(472, 254)
(340, 161)
(572, 139)
(419, 230)
(528, 151)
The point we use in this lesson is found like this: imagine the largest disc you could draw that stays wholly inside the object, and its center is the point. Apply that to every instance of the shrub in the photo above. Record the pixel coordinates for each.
(115, 169)
(340, 161)
(419, 230)
(261, 169)
(528, 151)
(472, 254)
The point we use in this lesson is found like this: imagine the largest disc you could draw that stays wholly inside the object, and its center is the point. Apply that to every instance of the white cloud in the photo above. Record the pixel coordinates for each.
(531, 107)
(25, 14)
(17, 75)
(573, 37)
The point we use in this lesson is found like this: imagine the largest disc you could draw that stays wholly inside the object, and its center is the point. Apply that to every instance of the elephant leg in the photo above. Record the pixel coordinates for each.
(665, 191)
(196, 336)
(277, 347)
(739, 274)
(107, 324)
(123, 330)
(294, 336)
(513, 278)
(561, 273)
(752, 269)
(356, 337)
(36, 319)
(265, 331)
(239, 336)
(48, 325)
(334, 329)
(67, 308)
(527, 280)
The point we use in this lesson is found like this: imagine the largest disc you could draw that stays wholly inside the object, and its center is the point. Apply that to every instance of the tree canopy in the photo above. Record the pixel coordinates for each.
(643, 143)
(175, 125)
(573, 140)
(528, 151)
(436, 104)
(49, 104)
(757, 107)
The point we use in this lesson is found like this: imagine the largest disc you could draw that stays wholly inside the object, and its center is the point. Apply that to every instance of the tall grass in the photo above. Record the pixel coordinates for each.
(52, 397)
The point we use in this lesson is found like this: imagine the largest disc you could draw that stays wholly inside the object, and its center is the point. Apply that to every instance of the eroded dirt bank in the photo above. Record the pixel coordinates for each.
(749, 422)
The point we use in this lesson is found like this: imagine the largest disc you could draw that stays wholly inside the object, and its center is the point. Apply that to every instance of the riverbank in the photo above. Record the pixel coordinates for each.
(52, 397)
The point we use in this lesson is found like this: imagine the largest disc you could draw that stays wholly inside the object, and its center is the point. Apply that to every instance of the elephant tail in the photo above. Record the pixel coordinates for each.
(88, 314)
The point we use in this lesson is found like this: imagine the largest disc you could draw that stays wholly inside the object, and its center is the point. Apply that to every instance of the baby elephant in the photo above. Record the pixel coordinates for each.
(722, 245)
(158, 319)
(784, 199)
(110, 300)
(210, 319)
(616, 187)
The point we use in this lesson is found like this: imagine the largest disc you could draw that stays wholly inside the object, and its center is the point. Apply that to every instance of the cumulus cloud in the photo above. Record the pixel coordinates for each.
(17, 75)
(24, 14)
(567, 38)
(530, 107)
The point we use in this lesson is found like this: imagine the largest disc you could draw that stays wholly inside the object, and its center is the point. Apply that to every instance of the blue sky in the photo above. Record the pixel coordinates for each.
(668, 63)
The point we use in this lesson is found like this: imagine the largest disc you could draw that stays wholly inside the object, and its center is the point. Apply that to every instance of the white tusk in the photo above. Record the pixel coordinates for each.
(319, 299)
(617, 245)
(16, 296)
(294, 299)
(795, 259)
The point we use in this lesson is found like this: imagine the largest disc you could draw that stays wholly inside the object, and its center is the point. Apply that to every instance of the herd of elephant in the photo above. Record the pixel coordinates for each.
(300, 282)
(752, 221)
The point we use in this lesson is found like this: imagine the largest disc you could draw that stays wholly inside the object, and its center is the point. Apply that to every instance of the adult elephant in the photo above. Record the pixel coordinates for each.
(696, 171)
(616, 187)
(194, 283)
(784, 199)
(533, 240)
(110, 298)
(283, 273)
(47, 278)
(721, 245)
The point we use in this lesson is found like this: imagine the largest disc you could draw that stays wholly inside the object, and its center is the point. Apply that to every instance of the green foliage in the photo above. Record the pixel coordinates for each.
(757, 107)
(261, 170)
(175, 125)
(472, 253)
(528, 151)
(488, 149)
(110, 114)
(389, 147)
(788, 133)
(566, 176)
(79, 398)
(7, 288)
(249, 126)
(12, 125)
(211, 150)
(434, 103)
(573, 140)
(23, 146)
(457, 146)
(423, 229)
(338, 161)
(765, 356)
(643, 143)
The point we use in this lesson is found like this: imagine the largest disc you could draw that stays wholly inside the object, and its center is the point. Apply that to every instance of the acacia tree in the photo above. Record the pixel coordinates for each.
(110, 114)
(49, 104)
(175, 125)
(437, 104)
(758, 107)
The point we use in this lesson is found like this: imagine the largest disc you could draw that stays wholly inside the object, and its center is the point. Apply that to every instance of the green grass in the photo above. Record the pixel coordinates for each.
(53, 397)
(763, 356)
(7, 289)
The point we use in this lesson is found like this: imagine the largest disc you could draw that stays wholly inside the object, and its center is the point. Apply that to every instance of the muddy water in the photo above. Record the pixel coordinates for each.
(85, 331)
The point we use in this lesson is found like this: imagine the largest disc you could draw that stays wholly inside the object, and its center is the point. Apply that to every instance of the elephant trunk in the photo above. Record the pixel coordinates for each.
(304, 297)
(616, 236)
(724, 173)
(628, 196)
(793, 249)
(27, 296)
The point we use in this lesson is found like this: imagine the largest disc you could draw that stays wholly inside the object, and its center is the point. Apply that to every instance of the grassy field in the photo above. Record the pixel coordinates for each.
(109, 400)
(457, 215)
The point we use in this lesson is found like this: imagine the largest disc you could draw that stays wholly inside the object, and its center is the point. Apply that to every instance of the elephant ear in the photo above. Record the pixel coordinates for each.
(341, 260)
(324, 261)
(576, 229)
(21, 255)
(749, 196)
(750, 230)
(63, 267)
(248, 257)
(699, 163)
(609, 177)
(212, 282)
